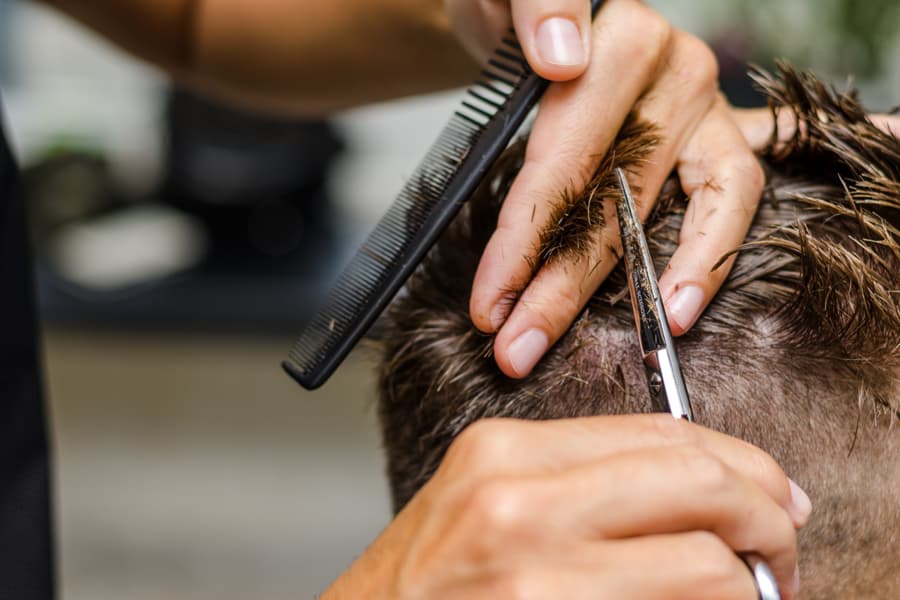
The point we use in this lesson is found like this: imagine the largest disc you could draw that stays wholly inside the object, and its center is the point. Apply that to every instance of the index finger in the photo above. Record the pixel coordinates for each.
(505, 446)
(564, 148)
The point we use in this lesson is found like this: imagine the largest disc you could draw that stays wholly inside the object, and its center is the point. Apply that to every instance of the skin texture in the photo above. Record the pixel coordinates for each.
(525, 510)
(635, 56)
(286, 56)
(799, 354)
(315, 57)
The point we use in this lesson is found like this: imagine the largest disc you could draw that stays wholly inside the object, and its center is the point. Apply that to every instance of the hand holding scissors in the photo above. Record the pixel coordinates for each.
(667, 388)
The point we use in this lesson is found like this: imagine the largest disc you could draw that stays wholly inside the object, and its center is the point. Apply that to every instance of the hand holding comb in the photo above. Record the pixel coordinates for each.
(492, 111)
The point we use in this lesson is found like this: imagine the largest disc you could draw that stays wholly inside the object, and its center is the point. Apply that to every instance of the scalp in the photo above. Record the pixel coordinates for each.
(798, 354)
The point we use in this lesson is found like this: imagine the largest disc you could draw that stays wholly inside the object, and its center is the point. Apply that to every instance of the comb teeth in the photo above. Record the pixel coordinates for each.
(490, 113)
(386, 245)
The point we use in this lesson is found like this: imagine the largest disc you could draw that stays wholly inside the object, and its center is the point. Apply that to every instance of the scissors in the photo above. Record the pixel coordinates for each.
(667, 389)
(664, 378)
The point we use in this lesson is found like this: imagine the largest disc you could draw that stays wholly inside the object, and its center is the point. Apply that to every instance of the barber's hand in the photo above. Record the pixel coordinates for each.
(757, 125)
(631, 507)
(555, 34)
(630, 55)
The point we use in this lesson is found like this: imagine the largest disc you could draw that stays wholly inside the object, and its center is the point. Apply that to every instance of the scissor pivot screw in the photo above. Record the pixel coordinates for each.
(655, 383)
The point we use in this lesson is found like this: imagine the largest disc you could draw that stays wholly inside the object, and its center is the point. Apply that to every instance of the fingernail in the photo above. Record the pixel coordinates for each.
(685, 306)
(559, 42)
(526, 350)
(795, 582)
(498, 315)
(801, 505)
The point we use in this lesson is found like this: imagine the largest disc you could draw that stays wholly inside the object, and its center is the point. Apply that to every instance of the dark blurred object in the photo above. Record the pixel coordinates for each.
(66, 186)
(259, 183)
(733, 52)
(7, 73)
(841, 37)
(240, 237)
(868, 28)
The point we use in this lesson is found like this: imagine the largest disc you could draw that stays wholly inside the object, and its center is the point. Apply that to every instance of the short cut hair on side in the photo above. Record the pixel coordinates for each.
(799, 353)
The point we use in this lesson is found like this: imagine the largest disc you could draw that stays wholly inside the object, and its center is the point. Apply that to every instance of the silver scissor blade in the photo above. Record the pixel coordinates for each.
(641, 274)
(657, 347)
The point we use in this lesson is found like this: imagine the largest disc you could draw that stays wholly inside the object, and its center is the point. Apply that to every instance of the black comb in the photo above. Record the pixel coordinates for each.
(491, 112)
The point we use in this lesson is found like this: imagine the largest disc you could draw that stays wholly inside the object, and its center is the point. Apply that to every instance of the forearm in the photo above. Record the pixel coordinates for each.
(292, 55)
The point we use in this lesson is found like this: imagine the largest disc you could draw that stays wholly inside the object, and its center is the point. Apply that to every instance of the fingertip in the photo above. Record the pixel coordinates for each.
(689, 285)
(889, 124)
(517, 358)
(795, 582)
(490, 304)
(481, 318)
(555, 36)
(487, 317)
(561, 48)
(500, 312)
(800, 506)
(684, 307)
(484, 296)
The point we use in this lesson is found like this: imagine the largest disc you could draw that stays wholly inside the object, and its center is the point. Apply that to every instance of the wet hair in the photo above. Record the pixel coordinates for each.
(799, 353)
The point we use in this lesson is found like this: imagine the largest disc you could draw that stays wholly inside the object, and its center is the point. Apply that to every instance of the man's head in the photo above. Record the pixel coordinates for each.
(798, 354)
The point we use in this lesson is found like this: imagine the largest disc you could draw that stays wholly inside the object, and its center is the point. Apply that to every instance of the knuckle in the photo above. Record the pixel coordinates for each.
(671, 431)
(699, 62)
(484, 442)
(763, 468)
(708, 474)
(549, 168)
(555, 308)
(495, 508)
(713, 558)
(657, 32)
(707, 547)
(568, 302)
(515, 585)
(785, 534)
(747, 169)
(649, 37)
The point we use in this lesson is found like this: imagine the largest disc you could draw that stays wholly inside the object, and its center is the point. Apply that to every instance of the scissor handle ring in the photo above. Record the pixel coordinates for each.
(763, 578)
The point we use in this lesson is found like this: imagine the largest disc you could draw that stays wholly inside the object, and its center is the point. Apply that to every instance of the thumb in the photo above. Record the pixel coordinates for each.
(555, 36)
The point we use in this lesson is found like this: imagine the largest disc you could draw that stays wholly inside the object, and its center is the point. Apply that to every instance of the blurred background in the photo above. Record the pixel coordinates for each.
(180, 246)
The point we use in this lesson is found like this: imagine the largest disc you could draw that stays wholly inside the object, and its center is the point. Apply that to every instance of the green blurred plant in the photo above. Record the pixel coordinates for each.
(842, 36)
(870, 25)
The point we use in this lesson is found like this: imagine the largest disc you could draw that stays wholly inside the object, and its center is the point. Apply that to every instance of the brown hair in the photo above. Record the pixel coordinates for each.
(799, 353)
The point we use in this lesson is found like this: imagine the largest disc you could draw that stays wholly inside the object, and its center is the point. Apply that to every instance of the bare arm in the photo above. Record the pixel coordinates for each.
(290, 55)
